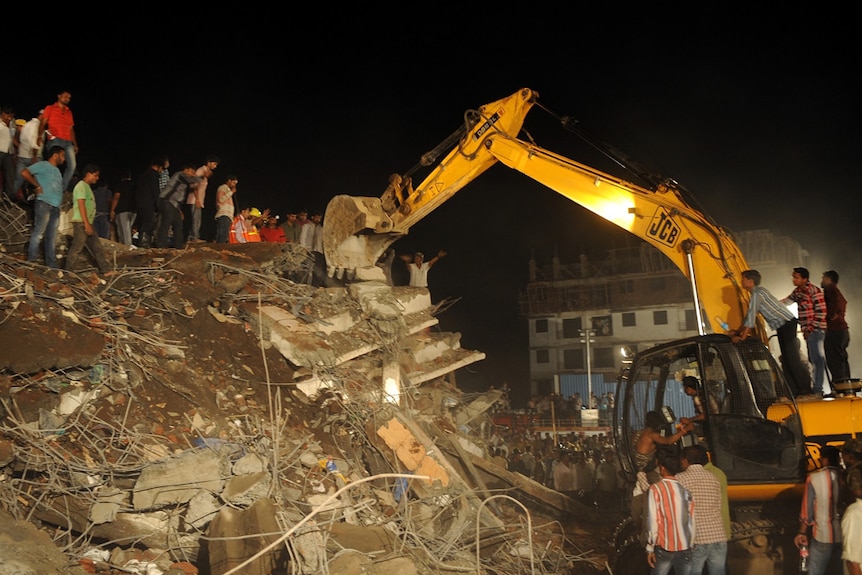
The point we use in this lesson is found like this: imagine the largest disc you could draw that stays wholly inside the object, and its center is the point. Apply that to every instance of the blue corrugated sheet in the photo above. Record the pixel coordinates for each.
(675, 397)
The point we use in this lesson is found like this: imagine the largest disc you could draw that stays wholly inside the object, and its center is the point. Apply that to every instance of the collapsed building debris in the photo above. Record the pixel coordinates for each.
(210, 410)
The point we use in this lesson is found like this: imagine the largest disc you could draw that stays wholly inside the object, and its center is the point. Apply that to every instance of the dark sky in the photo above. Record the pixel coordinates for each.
(759, 121)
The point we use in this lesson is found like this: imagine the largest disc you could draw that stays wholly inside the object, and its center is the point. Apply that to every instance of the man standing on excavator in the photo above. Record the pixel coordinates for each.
(778, 317)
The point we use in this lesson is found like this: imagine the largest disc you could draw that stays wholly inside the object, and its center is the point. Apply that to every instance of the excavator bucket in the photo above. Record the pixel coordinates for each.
(356, 232)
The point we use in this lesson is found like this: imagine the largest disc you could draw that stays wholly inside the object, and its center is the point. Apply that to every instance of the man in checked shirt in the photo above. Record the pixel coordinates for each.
(710, 537)
(811, 310)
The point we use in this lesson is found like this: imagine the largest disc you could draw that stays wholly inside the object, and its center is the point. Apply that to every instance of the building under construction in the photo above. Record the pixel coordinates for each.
(582, 315)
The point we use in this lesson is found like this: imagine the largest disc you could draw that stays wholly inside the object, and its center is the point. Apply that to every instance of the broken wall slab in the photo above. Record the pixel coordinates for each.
(180, 478)
(229, 544)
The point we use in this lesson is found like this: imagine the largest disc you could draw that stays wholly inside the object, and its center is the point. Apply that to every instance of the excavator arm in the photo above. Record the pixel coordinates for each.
(358, 230)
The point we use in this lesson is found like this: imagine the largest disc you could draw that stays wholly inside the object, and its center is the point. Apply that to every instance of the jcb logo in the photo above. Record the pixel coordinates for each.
(663, 229)
(487, 125)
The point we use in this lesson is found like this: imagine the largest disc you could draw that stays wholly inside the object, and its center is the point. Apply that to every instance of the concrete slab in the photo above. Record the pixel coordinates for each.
(178, 479)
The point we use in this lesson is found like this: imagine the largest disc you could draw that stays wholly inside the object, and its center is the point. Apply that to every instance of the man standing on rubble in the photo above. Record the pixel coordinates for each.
(195, 200)
(170, 210)
(47, 181)
(83, 216)
(419, 268)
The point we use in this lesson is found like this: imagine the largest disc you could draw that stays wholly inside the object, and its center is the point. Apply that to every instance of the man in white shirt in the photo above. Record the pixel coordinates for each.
(29, 149)
(7, 150)
(419, 268)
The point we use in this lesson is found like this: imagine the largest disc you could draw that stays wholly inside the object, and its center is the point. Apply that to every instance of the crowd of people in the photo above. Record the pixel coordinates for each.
(155, 208)
(582, 466)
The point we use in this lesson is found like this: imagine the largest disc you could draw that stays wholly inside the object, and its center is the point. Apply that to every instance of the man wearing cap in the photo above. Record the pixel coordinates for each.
(419, 268)
(7, 150)
(253, 223)
(29, 150)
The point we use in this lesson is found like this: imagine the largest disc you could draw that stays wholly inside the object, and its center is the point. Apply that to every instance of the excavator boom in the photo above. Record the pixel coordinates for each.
(358, 230)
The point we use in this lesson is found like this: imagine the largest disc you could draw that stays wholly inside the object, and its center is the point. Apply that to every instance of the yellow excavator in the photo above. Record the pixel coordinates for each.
(757, 432)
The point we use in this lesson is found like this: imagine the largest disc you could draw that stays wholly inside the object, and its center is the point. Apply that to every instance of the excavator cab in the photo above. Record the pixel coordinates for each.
(750, 426)
(750, 423)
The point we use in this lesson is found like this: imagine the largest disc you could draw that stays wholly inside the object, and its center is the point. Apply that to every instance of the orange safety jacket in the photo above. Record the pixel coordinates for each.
(239, 225)
(252, 235)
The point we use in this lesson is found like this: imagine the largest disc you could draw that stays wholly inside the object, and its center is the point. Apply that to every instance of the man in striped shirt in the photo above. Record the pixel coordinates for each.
(669, 520)
(777, 317)
(710, 541)
(821, 506)
(811, 309)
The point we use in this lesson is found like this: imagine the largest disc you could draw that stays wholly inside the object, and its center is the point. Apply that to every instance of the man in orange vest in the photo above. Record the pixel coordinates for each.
(238, 230)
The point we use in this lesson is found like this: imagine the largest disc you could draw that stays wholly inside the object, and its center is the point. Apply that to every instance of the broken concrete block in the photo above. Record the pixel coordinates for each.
(229, 544)
(178, 479)
(250, 463)
(201, 509)
(246, 489)
(107, 505)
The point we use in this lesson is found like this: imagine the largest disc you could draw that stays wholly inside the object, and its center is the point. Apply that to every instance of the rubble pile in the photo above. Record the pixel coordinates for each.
(209, 411)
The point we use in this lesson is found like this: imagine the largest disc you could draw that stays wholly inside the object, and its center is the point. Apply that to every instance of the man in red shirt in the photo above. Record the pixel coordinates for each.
(272, 232)
(57, 120)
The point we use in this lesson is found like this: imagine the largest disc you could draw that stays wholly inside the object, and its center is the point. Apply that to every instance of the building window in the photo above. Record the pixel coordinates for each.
(541, 326)
(657, 284)
(659, 318)
(690, 320)
(629, 319)
(603, 357)
(603, 325)
(573, 359)
(542, 356)
(627, 286)
(572, 327)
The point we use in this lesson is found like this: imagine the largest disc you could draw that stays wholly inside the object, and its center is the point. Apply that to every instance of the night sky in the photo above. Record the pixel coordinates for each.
(759, 122)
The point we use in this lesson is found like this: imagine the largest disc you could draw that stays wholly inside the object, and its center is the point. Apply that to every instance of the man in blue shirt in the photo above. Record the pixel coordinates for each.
(785, 324)
(47, 179)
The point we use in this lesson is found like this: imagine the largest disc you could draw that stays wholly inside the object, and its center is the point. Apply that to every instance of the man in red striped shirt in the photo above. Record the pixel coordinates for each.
(670, 520)
(811, 310)
(821, 510)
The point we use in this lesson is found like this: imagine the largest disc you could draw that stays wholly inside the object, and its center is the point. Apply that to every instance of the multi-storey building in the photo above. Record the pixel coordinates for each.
(634, 298)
